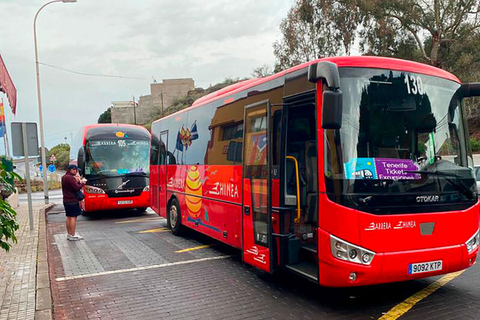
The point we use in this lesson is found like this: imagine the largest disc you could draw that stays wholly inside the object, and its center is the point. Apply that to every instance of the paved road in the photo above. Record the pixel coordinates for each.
(54, 196)
(131, 267)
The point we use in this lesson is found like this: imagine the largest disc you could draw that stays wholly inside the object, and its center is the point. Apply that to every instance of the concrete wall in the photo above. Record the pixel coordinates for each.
(162, 96)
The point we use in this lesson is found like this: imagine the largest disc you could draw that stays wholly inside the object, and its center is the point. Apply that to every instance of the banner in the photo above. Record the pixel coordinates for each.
(7, 86)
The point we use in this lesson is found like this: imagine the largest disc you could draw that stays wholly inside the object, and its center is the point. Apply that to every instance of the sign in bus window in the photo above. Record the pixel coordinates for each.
(381, 169)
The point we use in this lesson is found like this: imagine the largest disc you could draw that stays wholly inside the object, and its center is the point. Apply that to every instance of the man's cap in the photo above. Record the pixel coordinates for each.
(72, 166)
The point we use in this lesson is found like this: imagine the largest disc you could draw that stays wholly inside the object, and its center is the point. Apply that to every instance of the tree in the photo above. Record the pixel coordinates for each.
(440, 33)
(263, 71)
(62, 153)
(106, 116)
(8, 222)
(314, 29)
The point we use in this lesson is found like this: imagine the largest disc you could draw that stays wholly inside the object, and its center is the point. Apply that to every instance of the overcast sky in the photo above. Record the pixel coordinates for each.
(137, 40)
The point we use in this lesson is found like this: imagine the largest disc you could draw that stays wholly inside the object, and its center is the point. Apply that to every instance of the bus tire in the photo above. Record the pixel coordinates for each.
(174, 217)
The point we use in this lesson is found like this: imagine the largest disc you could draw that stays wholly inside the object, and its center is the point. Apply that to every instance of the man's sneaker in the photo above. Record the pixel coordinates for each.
(76, 237)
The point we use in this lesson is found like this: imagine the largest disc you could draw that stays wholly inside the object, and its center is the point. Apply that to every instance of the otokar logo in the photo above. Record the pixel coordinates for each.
(424, 199)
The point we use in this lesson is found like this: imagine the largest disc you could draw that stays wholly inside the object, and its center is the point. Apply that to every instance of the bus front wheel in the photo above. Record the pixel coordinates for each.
(174, 217)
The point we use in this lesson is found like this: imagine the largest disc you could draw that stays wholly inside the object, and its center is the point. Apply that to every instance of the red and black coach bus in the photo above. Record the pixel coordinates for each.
(346, 170)
(114, 158)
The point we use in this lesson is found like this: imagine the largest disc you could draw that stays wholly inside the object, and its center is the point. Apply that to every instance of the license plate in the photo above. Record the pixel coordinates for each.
(425, 267)
(125, 202)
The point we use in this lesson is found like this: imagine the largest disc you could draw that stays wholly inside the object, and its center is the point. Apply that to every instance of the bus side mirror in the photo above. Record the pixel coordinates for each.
(332, 109)
(470, 89)
(171, 158)
(81, 160)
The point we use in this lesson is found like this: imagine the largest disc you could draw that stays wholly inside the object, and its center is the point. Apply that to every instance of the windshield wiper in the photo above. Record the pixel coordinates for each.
(100, 177)
(460, 186)
(136, 174)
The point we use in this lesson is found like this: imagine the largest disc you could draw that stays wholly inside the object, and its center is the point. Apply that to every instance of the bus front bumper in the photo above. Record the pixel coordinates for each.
(99, 202)
(390, 266)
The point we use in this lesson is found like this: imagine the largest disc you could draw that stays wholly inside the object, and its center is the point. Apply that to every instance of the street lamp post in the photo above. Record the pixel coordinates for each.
(39, 98)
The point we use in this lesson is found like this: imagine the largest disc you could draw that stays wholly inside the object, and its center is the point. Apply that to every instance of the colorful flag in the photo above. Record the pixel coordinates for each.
(2, 120)
(194, 131)
(179, 144)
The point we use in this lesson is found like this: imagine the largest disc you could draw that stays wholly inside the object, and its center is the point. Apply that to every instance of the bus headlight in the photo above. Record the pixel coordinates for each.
(472, 243)
(344, 250)
(147, 188)
(93, 190)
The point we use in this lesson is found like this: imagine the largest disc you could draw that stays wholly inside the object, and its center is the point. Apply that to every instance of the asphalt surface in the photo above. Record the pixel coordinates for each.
(131, 267)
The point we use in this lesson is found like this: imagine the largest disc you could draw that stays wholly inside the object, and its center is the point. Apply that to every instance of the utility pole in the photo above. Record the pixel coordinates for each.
(134, 111)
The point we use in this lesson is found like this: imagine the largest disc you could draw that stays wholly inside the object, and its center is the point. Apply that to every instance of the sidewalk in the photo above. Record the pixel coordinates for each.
(24, 282)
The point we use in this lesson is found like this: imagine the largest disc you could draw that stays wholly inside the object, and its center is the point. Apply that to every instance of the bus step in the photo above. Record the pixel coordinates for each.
(306, 269)
(310, 248)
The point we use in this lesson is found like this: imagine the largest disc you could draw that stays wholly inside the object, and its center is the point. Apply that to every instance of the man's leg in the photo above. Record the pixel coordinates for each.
(73, 225)
(69, 226)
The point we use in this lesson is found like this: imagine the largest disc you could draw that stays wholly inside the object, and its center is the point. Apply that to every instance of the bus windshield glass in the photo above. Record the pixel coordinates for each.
(402, 133)
(113, 157)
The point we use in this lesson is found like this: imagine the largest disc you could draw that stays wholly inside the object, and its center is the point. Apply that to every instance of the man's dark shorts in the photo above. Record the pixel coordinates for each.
(72, 209)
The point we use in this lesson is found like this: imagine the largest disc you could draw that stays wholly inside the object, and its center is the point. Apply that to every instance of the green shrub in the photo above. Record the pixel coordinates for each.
(8, 222)
(474, 144)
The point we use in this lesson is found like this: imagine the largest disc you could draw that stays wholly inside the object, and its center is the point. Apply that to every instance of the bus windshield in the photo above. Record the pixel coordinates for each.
(402, 133)
(113, 157)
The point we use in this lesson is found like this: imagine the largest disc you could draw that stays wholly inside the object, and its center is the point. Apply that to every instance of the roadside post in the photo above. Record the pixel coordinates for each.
(25, 143)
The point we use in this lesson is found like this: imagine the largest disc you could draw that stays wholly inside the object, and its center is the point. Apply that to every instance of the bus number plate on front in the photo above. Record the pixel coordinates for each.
(125, 202)
(425, 267)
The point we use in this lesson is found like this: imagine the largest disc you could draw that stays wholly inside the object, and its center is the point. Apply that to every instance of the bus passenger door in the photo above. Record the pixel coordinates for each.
(257, 187)
(162, 174)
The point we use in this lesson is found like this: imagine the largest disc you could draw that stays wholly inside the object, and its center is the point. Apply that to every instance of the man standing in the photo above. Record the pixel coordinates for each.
(71, 184)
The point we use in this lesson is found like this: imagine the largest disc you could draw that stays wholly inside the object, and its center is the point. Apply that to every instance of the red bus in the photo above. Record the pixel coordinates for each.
(348, 171)
(114, 158)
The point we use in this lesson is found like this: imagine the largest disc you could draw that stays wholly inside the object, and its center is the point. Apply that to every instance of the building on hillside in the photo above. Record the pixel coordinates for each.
(162, 95)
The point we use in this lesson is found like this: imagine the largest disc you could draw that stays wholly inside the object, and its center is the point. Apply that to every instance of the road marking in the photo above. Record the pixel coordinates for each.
(139, 220)
(141, 268)
(195, 248)
(403, 307)
(155, 230)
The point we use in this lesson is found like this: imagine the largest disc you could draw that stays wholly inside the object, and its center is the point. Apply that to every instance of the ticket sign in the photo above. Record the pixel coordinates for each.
(381, 169)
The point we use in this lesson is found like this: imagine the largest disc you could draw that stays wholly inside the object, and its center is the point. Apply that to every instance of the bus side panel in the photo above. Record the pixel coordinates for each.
(219, 220)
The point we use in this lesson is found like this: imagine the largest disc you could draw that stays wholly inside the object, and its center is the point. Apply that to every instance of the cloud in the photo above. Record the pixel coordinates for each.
(208, 41)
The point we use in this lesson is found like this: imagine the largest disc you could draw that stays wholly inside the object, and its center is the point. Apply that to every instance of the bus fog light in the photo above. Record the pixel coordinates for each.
(352, 254)
(352, 276)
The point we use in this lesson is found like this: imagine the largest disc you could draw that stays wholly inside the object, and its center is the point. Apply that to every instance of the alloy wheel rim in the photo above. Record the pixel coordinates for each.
(173, 216)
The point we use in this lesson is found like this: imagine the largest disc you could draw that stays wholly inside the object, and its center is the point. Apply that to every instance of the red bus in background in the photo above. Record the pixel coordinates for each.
(348, 171)
(114, 158)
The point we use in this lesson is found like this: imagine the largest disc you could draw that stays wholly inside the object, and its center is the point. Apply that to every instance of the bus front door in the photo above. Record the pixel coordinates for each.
(257, 187)
(162, 175)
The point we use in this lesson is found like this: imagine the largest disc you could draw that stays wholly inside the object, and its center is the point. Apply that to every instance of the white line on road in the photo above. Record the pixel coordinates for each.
(140, 268)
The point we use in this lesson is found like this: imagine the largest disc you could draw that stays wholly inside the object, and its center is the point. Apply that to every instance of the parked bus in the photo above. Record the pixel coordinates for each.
(114, 160)
(348, 171)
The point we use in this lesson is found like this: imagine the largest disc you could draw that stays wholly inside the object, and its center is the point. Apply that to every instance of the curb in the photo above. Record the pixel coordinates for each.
(43, 305)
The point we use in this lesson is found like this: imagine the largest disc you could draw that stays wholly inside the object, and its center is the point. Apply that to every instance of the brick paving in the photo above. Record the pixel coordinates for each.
(210, 289)
(18, 269)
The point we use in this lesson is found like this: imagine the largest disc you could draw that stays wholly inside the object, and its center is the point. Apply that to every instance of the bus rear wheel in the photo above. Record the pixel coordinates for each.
(174, 217)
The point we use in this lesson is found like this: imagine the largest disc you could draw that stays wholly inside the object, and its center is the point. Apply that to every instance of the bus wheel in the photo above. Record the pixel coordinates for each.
(174, 217)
